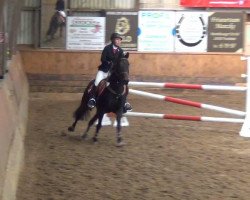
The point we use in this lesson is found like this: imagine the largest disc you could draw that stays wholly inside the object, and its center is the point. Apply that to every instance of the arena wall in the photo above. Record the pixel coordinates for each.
(68, 66)
(14, 91)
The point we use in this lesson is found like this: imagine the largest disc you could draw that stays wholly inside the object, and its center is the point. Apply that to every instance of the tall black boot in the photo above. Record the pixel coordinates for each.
(92, 97)
(127, 106)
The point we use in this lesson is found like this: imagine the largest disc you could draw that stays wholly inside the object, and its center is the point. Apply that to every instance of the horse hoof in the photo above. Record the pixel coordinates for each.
(120, 144)
(95, 141)
(71, 129)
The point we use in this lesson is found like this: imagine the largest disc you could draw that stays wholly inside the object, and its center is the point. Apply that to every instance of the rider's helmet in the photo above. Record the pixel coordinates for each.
(115, 35)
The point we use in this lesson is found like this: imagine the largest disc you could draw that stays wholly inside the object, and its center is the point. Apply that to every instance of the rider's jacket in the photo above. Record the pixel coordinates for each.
(109, 54)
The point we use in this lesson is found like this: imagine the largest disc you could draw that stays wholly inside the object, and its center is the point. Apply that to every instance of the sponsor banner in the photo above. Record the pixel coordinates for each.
(124, 23)
(216, 3)
(225, 32)
(52, 31)
(85, 33)
(155, 32)
(191, 31)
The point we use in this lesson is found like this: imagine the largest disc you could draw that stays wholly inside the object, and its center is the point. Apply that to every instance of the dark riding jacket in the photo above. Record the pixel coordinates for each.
(109, 56)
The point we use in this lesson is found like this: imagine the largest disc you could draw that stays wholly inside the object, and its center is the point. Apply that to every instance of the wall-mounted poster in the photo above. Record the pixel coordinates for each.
(191, 32)
(225, 32)
(124, 23)
(155, 31)
(85, 33)
(53, 20)
(216, 3)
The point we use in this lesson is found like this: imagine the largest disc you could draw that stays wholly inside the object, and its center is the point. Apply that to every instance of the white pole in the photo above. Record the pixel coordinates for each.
(245, 130)
(188, 86)
(188, 103)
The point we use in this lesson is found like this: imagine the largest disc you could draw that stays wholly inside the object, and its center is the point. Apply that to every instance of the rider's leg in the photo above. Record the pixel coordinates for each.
(127, 106)
(99, 76)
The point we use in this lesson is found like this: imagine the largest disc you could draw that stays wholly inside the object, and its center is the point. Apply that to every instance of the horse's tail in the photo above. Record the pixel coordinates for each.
(83, 111)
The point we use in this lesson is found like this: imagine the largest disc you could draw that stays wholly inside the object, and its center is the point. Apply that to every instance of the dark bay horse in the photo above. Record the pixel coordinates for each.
(56, 21)
(112, 99)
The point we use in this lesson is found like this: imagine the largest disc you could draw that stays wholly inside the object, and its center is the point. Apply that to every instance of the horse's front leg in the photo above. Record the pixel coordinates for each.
(91, 122)
(98, 127)
(119, 141)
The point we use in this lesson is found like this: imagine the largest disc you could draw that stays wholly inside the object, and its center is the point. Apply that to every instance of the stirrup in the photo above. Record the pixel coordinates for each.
(91, 103)
(128, 107)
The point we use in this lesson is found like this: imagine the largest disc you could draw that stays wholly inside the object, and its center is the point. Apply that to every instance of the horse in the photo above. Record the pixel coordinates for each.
(111, 99)
(56, 21)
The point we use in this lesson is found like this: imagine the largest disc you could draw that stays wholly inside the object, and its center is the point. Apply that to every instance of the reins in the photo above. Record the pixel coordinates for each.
(114, 92)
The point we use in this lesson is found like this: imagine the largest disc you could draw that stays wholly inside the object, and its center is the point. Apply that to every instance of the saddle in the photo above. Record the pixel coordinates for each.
(101, 86)
(99, 89)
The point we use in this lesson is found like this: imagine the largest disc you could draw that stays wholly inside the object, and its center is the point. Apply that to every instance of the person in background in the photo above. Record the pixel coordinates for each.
(60, 7)
(109, 55)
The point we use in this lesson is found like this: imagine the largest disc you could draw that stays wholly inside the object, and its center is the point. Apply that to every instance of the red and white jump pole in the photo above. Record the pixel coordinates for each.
(188, 103)
(188, 86)
(245, 130)
(184, 117)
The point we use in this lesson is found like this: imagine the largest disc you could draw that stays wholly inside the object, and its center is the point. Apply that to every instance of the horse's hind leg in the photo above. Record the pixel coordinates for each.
(91, 122)
(72, 127)
(98, 127)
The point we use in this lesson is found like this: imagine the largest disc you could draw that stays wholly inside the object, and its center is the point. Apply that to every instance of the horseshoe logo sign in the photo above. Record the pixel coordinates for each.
(184, 40)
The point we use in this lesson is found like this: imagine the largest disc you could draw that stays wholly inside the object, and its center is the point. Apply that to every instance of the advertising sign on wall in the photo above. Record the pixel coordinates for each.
(216, 3)
(85, 33)
(124, 23)
(156, 31)
(225, 32)
(191, 32)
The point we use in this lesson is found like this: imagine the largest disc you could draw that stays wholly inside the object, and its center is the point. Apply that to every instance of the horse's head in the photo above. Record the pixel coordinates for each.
(121, 69)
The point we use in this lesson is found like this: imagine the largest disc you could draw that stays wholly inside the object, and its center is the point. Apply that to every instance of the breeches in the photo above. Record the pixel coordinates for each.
(100, 76)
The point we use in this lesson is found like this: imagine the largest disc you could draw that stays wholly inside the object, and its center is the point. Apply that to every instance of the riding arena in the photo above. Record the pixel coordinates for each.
(172, 151)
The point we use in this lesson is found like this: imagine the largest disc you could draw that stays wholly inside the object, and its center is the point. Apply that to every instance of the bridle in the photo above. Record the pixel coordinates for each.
(117, 75)
(120, 73)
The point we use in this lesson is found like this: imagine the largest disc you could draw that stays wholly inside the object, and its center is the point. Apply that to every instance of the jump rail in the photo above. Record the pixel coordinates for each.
(188, 103)
(188, 86)
(184, 117)
(245, 130)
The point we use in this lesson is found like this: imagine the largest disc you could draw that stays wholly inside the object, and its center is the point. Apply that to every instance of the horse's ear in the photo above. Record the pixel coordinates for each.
(126, 55)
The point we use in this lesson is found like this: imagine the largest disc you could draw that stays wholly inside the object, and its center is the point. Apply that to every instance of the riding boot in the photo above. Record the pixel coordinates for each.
(127, 106)
(92, 97)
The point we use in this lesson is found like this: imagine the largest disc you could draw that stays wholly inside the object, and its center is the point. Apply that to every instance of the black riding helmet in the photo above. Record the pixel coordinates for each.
(115, 35)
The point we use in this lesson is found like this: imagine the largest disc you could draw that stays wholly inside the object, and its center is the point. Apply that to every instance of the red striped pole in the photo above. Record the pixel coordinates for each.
(184, 117)
(187, 102)
(188, 86)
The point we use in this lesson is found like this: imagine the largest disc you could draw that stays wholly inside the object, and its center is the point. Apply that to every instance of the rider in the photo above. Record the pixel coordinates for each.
(109, 54)
(60, 7)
